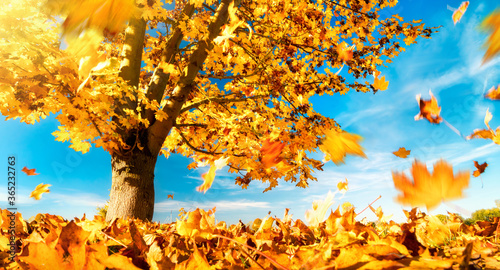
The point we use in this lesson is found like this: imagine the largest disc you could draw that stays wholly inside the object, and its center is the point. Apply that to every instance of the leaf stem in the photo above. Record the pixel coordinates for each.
(379, 196)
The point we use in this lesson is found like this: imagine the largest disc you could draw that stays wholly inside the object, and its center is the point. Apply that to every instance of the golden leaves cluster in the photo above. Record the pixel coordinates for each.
(275, 57)
(197, 242)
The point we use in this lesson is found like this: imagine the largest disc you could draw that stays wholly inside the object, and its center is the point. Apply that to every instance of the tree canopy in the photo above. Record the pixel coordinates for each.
(223, 82)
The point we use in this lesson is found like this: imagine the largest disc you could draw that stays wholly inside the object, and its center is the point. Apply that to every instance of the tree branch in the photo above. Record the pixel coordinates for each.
(160, 129)
(130, 66)
(217, 100)
(190, 125)
(197, 149)
(159, 80)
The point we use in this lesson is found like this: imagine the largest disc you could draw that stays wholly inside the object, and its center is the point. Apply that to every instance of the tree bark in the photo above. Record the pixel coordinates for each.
(132, 189)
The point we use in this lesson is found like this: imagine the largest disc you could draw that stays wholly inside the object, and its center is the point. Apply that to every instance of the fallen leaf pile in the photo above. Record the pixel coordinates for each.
(197, 241)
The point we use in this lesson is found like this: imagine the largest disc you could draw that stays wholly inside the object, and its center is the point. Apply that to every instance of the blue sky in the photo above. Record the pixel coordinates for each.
(449, 64)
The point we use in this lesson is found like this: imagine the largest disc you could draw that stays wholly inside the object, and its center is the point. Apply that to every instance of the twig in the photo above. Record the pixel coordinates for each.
(113, 239)
(379, 196)
(453, 128)
(260, 253)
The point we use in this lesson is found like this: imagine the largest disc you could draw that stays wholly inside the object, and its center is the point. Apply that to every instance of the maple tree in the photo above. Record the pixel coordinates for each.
(209, 80)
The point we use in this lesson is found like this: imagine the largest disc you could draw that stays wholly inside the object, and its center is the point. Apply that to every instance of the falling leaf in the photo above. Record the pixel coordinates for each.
(428, 189)
(337, 145)
(270, 152)
(39, 190)
(429, 109)
(492, 22)
(402, 152)
(345, 53)
(457, 14)
(486, 133)
(317, 214)
(221, 163)
(480, 168)
(170, 196)
(108, 16)
(29, 171)
(493, 94)
(208, 179)
(380, 84)
(342, 186)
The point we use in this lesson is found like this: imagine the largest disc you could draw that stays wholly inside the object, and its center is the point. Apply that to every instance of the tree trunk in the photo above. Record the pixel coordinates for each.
(132, 189)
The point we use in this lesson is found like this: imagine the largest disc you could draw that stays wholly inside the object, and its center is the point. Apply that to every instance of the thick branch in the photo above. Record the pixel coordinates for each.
(217, 100)
(191, 125)
(160, 129)
(159, 80)
(130, 66)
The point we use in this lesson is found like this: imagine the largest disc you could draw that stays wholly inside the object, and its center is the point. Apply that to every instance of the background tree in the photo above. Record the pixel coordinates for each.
(223, 82)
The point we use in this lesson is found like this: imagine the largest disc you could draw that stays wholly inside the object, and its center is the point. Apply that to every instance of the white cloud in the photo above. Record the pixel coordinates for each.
(79, 199)
(221, 206)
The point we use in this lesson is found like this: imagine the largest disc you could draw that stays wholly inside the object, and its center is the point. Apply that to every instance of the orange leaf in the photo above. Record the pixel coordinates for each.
(29, 171)
(429, 109)
(457, 15)
(486, 133)
(493, 42)
(493, 93)
(428, 189)
(270, 153)
(337, 145)
(381, 84)
(402, 152)
(480, 168)
(39, 190)
(342, 186)
(344, 52)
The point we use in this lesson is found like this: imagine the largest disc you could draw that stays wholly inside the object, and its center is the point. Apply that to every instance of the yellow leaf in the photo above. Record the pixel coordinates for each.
(198, 223)
(381, 84)
(317, 214)
(486, 133)
(106, 15)
(342, 186)
(457, 14)
(337, 145)
(487, 118)
(208, 179)
(426, 189)
(39, 190)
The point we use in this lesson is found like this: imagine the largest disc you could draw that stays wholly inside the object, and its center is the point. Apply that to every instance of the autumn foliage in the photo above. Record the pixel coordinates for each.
(198, 241)
(228, 84)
